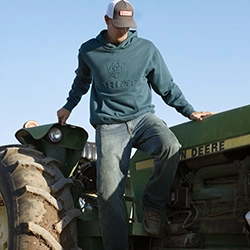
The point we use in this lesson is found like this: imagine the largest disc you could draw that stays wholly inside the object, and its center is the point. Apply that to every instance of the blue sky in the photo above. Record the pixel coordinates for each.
(205, 44)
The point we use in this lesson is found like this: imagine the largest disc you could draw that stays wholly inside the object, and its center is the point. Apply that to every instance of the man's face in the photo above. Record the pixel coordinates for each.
(115, 34)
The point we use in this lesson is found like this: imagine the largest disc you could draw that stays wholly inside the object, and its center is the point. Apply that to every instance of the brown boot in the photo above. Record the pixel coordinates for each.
(151, 222)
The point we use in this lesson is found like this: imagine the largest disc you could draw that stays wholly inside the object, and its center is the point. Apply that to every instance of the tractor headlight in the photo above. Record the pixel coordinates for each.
(55, 135)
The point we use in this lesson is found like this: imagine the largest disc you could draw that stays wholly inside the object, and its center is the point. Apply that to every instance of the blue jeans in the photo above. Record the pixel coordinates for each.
(114, 143)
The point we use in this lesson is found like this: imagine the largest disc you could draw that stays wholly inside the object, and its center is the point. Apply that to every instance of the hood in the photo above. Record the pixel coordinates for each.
(101, 37)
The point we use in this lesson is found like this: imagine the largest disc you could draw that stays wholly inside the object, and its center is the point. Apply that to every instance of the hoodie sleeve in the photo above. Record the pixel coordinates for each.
(80, 86)
(162, 83)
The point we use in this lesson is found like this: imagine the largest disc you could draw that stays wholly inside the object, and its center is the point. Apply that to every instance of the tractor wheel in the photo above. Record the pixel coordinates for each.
(36, 206)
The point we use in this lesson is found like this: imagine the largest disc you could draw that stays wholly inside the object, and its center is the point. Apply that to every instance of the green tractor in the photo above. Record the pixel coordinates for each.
(48, 193)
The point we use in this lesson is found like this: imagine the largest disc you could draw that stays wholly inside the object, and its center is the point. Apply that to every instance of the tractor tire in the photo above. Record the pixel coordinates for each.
(36, 207)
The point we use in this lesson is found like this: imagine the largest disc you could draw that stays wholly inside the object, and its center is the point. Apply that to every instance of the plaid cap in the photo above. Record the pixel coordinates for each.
(121, 13)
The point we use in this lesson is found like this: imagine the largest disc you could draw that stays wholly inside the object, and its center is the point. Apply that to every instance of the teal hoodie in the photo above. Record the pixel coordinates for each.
(122, 78)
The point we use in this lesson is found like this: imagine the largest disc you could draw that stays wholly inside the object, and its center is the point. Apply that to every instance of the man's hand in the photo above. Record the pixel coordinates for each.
(63, 114)
(199, 115)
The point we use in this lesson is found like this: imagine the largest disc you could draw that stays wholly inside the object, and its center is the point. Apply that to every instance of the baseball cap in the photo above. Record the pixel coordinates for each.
(121, 13)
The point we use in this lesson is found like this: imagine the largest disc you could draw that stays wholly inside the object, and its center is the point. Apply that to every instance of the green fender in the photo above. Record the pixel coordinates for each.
(68, 150)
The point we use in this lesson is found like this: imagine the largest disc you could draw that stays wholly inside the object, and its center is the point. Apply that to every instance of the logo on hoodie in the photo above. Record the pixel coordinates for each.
(115, 69)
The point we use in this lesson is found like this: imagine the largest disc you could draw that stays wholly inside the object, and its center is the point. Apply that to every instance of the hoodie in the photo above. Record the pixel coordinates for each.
(122, 79)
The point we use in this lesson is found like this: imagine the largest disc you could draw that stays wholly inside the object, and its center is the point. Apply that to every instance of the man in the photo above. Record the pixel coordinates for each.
(122, 69)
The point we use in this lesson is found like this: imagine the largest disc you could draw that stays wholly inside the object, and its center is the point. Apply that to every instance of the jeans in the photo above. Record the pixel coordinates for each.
(114, 143)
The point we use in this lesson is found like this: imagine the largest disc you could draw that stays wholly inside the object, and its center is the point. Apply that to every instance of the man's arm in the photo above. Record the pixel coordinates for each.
(79, 87)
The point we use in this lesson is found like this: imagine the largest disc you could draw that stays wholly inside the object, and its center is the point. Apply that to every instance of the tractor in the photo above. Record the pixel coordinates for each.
(48, 197)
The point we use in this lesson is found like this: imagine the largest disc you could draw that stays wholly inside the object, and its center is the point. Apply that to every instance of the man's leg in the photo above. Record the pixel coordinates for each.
(112, 165)
(156, 139)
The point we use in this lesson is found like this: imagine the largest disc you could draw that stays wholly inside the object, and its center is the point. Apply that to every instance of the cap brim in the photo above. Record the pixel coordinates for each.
(124, 24)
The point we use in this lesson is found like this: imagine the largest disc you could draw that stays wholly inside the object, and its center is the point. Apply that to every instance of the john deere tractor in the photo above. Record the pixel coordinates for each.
(48, 189)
